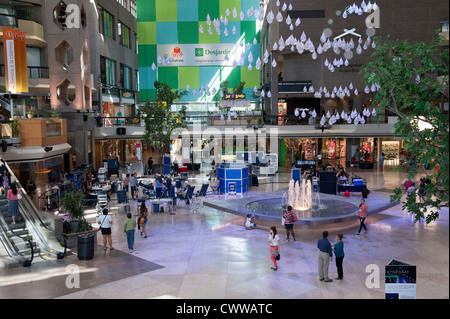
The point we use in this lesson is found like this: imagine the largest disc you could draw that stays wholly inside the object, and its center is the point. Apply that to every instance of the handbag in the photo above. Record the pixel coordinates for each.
(291, 218)
(19, 196)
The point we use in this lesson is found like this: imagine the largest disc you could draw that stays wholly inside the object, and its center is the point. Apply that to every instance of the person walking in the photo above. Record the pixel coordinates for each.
(129, 227)
(274, 242)
(339, 254)
(289, 220)
(150, 166)
(13, 202)
(126, 184)
(325, 254)
(382, 157)
(134, 186)
(362, 215)
(143, 219)
(31, 187)
(105, 222)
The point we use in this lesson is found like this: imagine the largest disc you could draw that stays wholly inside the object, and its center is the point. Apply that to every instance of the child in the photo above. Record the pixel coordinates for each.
(339, 253)
(249, 224)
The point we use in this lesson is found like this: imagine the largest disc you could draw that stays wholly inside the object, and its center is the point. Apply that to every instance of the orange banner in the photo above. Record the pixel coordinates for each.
(20, 50)
(15, 54)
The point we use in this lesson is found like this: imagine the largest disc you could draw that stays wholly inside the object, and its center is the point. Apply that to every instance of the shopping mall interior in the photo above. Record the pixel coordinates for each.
(267, 113)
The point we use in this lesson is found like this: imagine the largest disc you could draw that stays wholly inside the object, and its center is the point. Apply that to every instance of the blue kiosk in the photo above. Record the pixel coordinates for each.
(234, 178)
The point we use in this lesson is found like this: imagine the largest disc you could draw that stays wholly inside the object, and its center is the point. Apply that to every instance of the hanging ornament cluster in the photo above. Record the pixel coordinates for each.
(331, 118)
(359, 10)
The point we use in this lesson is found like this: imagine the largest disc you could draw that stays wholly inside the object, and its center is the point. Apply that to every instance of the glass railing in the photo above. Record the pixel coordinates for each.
(247, 120)
(36, 224)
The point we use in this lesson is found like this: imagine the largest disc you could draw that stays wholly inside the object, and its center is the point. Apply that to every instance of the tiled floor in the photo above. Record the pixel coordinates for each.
(208, 254)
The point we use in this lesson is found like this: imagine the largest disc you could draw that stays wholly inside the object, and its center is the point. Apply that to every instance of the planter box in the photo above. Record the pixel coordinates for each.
(72, 238)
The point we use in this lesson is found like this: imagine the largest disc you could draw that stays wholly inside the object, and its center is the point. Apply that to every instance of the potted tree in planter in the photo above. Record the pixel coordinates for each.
(260, 122)
(249, 120)
(71, 202)
(77, 227)
(15, 132)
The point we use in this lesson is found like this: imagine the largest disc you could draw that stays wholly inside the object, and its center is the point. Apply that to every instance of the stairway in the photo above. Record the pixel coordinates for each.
(19, 237)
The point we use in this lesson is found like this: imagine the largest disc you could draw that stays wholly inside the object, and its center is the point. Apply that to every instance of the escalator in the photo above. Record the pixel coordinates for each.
(30, 237)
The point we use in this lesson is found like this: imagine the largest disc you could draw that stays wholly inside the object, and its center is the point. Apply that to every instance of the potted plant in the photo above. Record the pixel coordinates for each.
(30, 114)
(249, 120)
(15, 132)
(71, 202)
(260, 122)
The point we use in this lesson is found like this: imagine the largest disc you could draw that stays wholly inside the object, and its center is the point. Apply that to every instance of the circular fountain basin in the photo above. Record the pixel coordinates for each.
(328, 209)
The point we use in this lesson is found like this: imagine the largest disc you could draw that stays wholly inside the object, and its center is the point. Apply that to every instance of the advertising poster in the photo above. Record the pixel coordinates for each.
(400, 280)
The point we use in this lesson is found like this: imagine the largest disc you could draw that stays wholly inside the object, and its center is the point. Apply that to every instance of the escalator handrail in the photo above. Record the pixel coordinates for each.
(29, 202)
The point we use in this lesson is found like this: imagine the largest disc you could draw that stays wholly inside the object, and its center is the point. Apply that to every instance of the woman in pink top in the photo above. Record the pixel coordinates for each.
(13, 205)
(362, 215)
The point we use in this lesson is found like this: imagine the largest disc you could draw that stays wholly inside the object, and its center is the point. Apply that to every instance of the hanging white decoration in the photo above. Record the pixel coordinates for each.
(258, 63)
(187, 87)
(314, 113)
(296, 112)
(242, 16)
(269, 17)
(269, 95)
(297, 22)
(200, 28)
(303, 114)
(234, 13)
(279, 17)
(288, 20)
(250, 67)
(153, 66)
(284, 7)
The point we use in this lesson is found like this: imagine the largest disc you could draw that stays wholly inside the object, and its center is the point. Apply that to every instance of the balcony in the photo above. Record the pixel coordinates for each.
(40, 138)
(286, 126)
(34, 32)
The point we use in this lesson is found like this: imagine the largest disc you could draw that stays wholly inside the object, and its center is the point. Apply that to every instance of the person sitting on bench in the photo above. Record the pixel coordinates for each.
(216, 185)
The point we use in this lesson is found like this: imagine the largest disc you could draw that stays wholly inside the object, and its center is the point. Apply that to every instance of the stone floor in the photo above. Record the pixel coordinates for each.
(208, 254)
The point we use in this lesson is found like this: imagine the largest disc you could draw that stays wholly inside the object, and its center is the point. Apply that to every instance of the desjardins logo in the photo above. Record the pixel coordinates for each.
(198, 51)
(202, 52)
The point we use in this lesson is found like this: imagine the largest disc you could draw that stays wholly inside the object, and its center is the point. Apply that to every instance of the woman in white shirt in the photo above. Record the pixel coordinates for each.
(274, 242)
(105, 222)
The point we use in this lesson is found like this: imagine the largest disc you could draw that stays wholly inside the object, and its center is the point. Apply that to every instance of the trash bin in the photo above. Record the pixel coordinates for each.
(86, 246)
(155, 207)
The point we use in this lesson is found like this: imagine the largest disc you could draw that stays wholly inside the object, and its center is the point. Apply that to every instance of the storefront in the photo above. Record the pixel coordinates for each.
(391, 149)
(125, 151)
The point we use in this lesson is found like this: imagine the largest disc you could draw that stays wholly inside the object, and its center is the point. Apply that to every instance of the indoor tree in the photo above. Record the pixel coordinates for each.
(412, 81)
(160, 121)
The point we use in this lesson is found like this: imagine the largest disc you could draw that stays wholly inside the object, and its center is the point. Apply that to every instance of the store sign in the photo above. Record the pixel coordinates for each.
(195, 54)
(400, 281)
(240, 96)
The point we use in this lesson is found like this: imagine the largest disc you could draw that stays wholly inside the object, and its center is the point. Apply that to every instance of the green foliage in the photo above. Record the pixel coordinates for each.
(239, 88)
(160, 121)
(71, 202)
(407, 74)
(15, 128)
